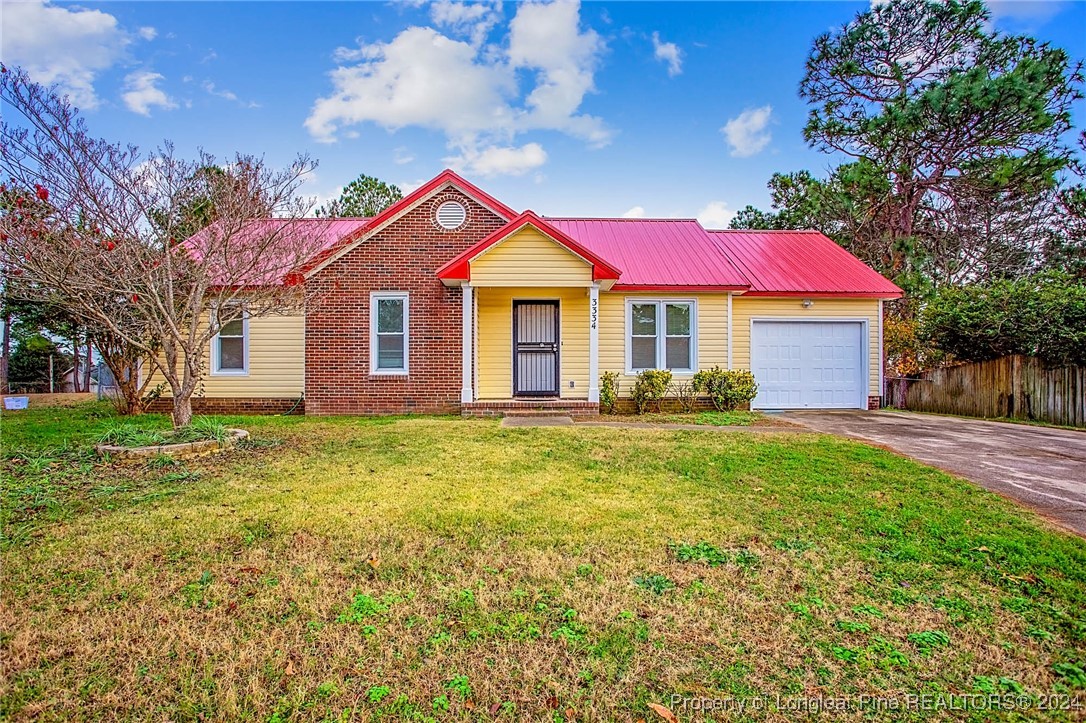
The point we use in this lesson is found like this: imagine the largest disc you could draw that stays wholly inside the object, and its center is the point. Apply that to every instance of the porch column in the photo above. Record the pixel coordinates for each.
(468, 314)
(594, 343)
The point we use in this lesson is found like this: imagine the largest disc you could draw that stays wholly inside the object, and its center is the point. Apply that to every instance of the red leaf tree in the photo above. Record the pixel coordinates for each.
(105, 230)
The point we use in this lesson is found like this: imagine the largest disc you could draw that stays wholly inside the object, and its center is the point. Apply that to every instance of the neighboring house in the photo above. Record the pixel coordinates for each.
(450, 301)
(73, 377)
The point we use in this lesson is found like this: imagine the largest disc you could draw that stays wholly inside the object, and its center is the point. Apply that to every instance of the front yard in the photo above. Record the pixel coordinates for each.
(426, 568)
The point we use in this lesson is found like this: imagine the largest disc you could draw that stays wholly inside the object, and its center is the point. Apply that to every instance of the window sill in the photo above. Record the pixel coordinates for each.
(239, 373)
(674, 372)
(387, 374)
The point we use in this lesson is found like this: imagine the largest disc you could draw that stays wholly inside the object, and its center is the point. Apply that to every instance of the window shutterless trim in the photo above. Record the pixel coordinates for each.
(216, 355)
(375, 297)
(661, 333)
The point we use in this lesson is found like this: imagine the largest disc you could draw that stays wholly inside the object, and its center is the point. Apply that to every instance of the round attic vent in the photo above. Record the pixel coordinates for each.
(451, 214)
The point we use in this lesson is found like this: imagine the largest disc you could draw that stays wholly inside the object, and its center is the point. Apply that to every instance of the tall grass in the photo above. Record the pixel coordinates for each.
(131, 434)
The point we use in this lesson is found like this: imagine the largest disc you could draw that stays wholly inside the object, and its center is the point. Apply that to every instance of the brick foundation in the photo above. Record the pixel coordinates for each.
(874, 402)
(668, 405)
(405, 256)
(234, 405)
(528, 408)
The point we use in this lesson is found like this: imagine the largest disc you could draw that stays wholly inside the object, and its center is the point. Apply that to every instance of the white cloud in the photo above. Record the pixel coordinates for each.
(668, 53)
(746, 133)
(427, 79)
(141, 93)
(226, 94)
(420, 78)
(715, 214)
(548, 39)
(635, 212)
(147, 33)
(499, 160)
(402, 156)
(66, 46)
(409, 186)
(472, 20)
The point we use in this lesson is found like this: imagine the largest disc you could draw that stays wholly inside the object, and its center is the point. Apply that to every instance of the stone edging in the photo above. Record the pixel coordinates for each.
(179, 450)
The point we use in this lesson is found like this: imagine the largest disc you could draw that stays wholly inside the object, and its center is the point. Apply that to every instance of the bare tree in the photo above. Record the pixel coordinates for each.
(128, 365)
(100, 231)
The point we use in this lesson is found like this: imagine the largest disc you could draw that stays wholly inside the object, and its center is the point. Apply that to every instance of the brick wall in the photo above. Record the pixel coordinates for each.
(874, 402)
(402, 257)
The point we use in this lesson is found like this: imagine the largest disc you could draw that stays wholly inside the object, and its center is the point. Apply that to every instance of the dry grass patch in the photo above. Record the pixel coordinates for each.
(436, 568)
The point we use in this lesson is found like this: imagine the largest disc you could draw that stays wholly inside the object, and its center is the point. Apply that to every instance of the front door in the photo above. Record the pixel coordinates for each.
(535, 348)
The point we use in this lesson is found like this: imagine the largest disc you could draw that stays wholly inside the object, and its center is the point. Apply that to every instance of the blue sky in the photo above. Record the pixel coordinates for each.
(598, 109)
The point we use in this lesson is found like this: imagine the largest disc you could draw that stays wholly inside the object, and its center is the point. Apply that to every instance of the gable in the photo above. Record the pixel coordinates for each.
(415, 239)
(459, 269)
(445, 186)
(528, 257)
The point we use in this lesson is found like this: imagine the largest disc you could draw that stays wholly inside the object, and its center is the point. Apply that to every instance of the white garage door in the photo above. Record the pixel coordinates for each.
(809, 365)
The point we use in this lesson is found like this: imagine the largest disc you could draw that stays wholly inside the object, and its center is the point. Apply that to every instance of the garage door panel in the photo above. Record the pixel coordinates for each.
(814, 365)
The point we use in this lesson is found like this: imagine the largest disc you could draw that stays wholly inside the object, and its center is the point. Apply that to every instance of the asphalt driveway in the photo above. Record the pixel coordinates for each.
(1042, 468)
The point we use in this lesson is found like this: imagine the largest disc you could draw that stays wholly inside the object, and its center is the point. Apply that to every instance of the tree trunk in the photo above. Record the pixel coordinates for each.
(5, 355)
(182, 411)
(75, 361)
(87, 371)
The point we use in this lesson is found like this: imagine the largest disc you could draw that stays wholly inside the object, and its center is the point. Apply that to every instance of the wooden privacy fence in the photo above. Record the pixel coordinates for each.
(1014, 387)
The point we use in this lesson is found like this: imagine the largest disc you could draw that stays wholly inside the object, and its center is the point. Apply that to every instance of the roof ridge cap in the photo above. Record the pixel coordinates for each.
(613, 218)
(763, 230)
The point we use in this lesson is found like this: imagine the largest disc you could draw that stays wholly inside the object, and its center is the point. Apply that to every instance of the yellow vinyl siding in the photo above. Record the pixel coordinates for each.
(712, 331)
(529, 258)
(495, 339)
(744, 308)
(276, 362)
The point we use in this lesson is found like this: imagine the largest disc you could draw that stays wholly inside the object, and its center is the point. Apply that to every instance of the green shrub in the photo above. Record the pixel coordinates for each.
(727, 388)
(650, 388)
(609, 391)
(1042, 316)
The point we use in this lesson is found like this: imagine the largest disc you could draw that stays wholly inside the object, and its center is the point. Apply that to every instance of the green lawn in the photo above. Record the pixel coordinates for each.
(435, 568)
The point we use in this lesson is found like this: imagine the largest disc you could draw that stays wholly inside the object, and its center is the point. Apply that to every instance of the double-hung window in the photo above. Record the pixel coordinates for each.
(230, 347)
(388, 332)
(660, 335)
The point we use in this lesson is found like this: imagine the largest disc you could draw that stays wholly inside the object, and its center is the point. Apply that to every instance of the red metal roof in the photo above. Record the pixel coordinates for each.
(649, 254)
(280, 243)
(459, 268)
(663, 254)
(799, 263)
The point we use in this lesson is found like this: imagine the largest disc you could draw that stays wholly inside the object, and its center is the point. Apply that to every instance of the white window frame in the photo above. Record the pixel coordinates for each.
(216, 357)
(376, 296)
(661, 333)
